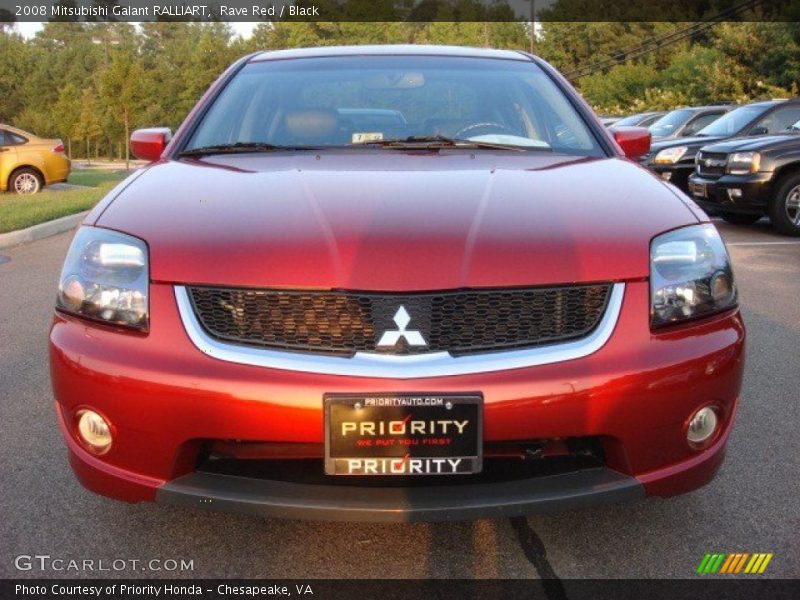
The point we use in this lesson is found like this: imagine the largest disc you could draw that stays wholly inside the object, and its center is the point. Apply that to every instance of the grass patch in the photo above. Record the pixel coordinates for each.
(94, 177)
(19, 212)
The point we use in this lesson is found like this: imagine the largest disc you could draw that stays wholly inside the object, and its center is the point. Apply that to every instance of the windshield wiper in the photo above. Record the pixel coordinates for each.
(237, 148)
(440, 141)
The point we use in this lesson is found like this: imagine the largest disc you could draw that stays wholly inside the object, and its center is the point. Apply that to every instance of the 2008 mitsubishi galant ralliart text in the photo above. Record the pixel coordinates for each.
(395, 283)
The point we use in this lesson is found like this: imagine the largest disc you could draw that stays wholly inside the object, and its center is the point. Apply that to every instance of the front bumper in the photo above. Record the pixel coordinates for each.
(755, 192)
(164, 399)
(441, 503)
(677, 174)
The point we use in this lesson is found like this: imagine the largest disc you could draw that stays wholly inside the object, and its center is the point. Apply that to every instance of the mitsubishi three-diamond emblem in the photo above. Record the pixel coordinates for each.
(412, 336)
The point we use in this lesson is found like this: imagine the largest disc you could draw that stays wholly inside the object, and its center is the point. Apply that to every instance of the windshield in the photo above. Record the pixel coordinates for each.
(670, 123)
(365, 101)
(733, 122)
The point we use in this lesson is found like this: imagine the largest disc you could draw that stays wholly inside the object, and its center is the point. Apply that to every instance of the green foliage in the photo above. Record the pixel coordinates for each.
(610, 92)
(569, 46)
(93, 82)
(733, 62)
(16, 62)
(769, 51)
(88, 126)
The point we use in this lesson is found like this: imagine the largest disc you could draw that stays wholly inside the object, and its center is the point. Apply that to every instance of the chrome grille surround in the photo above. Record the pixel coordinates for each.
(396, 366)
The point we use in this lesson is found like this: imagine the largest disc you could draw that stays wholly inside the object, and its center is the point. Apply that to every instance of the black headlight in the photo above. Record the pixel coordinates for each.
(690, 275)
(105, 277)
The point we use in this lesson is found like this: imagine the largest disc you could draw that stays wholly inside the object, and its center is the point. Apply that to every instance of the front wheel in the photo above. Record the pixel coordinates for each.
(784, 208)
(740, 219)
(25, 181)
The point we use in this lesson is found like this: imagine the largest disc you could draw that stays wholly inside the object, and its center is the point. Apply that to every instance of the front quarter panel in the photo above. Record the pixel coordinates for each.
(781, 161)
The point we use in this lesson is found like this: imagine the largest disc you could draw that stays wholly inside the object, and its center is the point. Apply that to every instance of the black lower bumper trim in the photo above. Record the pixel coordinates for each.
(728, 207)
(401, 504)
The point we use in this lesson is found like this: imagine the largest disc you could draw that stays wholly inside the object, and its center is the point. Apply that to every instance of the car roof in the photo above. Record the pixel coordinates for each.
(707, 107)
(773, 102)
(391, 50)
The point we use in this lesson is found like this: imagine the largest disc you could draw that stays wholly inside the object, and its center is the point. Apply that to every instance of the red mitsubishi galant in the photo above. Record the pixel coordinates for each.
(395, 283)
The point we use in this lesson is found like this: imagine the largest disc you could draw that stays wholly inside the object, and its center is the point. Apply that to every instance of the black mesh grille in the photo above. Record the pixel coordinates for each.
(712, 164)
(343, 323)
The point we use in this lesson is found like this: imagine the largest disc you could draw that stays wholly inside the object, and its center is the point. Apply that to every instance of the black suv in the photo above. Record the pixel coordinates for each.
(673, 159)
(743, 179)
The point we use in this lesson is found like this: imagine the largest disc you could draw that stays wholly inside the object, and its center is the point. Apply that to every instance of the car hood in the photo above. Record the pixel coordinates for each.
(393, 220)
(762, 142)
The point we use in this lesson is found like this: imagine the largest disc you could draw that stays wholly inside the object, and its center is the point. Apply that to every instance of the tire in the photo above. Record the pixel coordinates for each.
(740, 219)
(784, 207)
(25, 181)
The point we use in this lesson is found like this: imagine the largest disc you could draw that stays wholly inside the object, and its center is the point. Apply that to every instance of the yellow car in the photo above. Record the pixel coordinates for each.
(28, 163)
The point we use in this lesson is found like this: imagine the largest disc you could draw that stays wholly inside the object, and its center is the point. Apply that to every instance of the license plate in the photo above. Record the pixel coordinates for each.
(699, 189)
(414, 434)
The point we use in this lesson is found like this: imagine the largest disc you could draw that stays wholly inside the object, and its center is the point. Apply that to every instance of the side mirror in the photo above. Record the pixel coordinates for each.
(149, 144)
(634, 141)
(759, 131)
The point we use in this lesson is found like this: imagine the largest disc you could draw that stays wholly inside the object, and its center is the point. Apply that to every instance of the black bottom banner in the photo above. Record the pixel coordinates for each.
(390, 589)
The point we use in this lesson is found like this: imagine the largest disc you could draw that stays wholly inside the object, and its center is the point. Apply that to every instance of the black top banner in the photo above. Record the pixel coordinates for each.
(399, 10)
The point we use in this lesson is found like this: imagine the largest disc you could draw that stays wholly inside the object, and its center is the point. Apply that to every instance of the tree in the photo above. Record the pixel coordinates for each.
(120, 89)
(67, 113)
(14, 66)
(88, 127)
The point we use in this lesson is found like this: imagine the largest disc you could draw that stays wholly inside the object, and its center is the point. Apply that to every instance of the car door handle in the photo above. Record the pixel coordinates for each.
(3, 149)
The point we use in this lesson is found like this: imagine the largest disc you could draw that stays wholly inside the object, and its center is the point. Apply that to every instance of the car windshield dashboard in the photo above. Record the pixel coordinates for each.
(388, 102)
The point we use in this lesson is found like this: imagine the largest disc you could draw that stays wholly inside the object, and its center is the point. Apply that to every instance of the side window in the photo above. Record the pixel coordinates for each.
(700, 122)
(10, 139)
(777, 121)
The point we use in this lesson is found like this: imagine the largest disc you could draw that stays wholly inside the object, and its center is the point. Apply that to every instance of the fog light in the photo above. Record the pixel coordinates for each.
(666, 175)
(702, 426)
(94, 431)
(734, 193)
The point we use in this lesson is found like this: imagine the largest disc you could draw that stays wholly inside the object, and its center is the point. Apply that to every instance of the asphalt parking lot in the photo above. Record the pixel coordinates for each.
(752, 506)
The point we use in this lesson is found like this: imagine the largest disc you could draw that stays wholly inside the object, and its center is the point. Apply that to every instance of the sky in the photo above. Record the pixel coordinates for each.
(28, 30)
